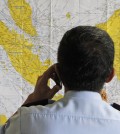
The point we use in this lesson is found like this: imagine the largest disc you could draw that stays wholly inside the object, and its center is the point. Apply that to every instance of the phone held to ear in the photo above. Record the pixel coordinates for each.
(57, 80)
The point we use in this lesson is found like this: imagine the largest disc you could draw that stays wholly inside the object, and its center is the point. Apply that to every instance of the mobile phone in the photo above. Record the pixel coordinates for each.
(57, 80)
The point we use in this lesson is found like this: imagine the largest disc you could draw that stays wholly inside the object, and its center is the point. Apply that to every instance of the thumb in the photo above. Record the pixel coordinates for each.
(54, 90)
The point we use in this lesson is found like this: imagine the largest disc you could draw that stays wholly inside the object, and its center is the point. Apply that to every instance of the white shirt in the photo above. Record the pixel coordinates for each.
(77, 113)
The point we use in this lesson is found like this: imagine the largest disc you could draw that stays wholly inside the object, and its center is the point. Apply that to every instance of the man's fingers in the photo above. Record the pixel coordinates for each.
(48, 74)
(54, 90)
(49, 71)
(39, 77)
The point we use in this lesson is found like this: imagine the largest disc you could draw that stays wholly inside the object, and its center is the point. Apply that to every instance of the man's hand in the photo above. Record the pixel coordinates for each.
(42, 90)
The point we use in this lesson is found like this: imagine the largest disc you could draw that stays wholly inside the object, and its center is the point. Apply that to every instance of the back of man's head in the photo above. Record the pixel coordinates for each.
(85, 57)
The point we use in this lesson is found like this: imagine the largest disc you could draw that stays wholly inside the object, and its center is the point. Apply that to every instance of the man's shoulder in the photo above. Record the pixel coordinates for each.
(109, 112)
(72, 107)
(54, 107)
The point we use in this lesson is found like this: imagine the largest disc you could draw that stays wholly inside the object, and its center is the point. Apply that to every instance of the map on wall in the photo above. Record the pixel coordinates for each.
(30, 32)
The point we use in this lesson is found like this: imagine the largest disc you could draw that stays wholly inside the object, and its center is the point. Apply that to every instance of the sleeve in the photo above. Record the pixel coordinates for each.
(41, 102)
(13, 125)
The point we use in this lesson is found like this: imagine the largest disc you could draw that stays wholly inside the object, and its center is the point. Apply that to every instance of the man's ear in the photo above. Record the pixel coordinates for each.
(111, 75)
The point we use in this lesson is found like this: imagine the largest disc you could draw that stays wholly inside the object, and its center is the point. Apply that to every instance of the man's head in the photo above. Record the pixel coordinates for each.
(85, 57)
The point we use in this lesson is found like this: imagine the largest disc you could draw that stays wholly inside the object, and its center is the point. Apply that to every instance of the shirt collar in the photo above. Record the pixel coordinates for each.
(83, 95)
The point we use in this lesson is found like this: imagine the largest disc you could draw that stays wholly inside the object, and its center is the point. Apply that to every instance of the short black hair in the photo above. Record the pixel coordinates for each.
(85, 56)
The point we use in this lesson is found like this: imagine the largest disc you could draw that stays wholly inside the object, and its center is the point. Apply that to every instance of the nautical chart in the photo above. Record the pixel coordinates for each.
(30, 32)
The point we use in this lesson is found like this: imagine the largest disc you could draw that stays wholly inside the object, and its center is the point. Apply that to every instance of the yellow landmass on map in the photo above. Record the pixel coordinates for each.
(3, 119)
(68, 15)
(57, 97)
(19, 51)
(112, 26)
(21, 13)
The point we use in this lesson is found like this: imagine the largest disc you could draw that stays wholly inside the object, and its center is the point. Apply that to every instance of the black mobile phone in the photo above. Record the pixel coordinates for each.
(57, 80)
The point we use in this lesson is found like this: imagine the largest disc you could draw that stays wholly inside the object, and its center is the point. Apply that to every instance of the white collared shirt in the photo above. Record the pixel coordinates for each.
(77, 113)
